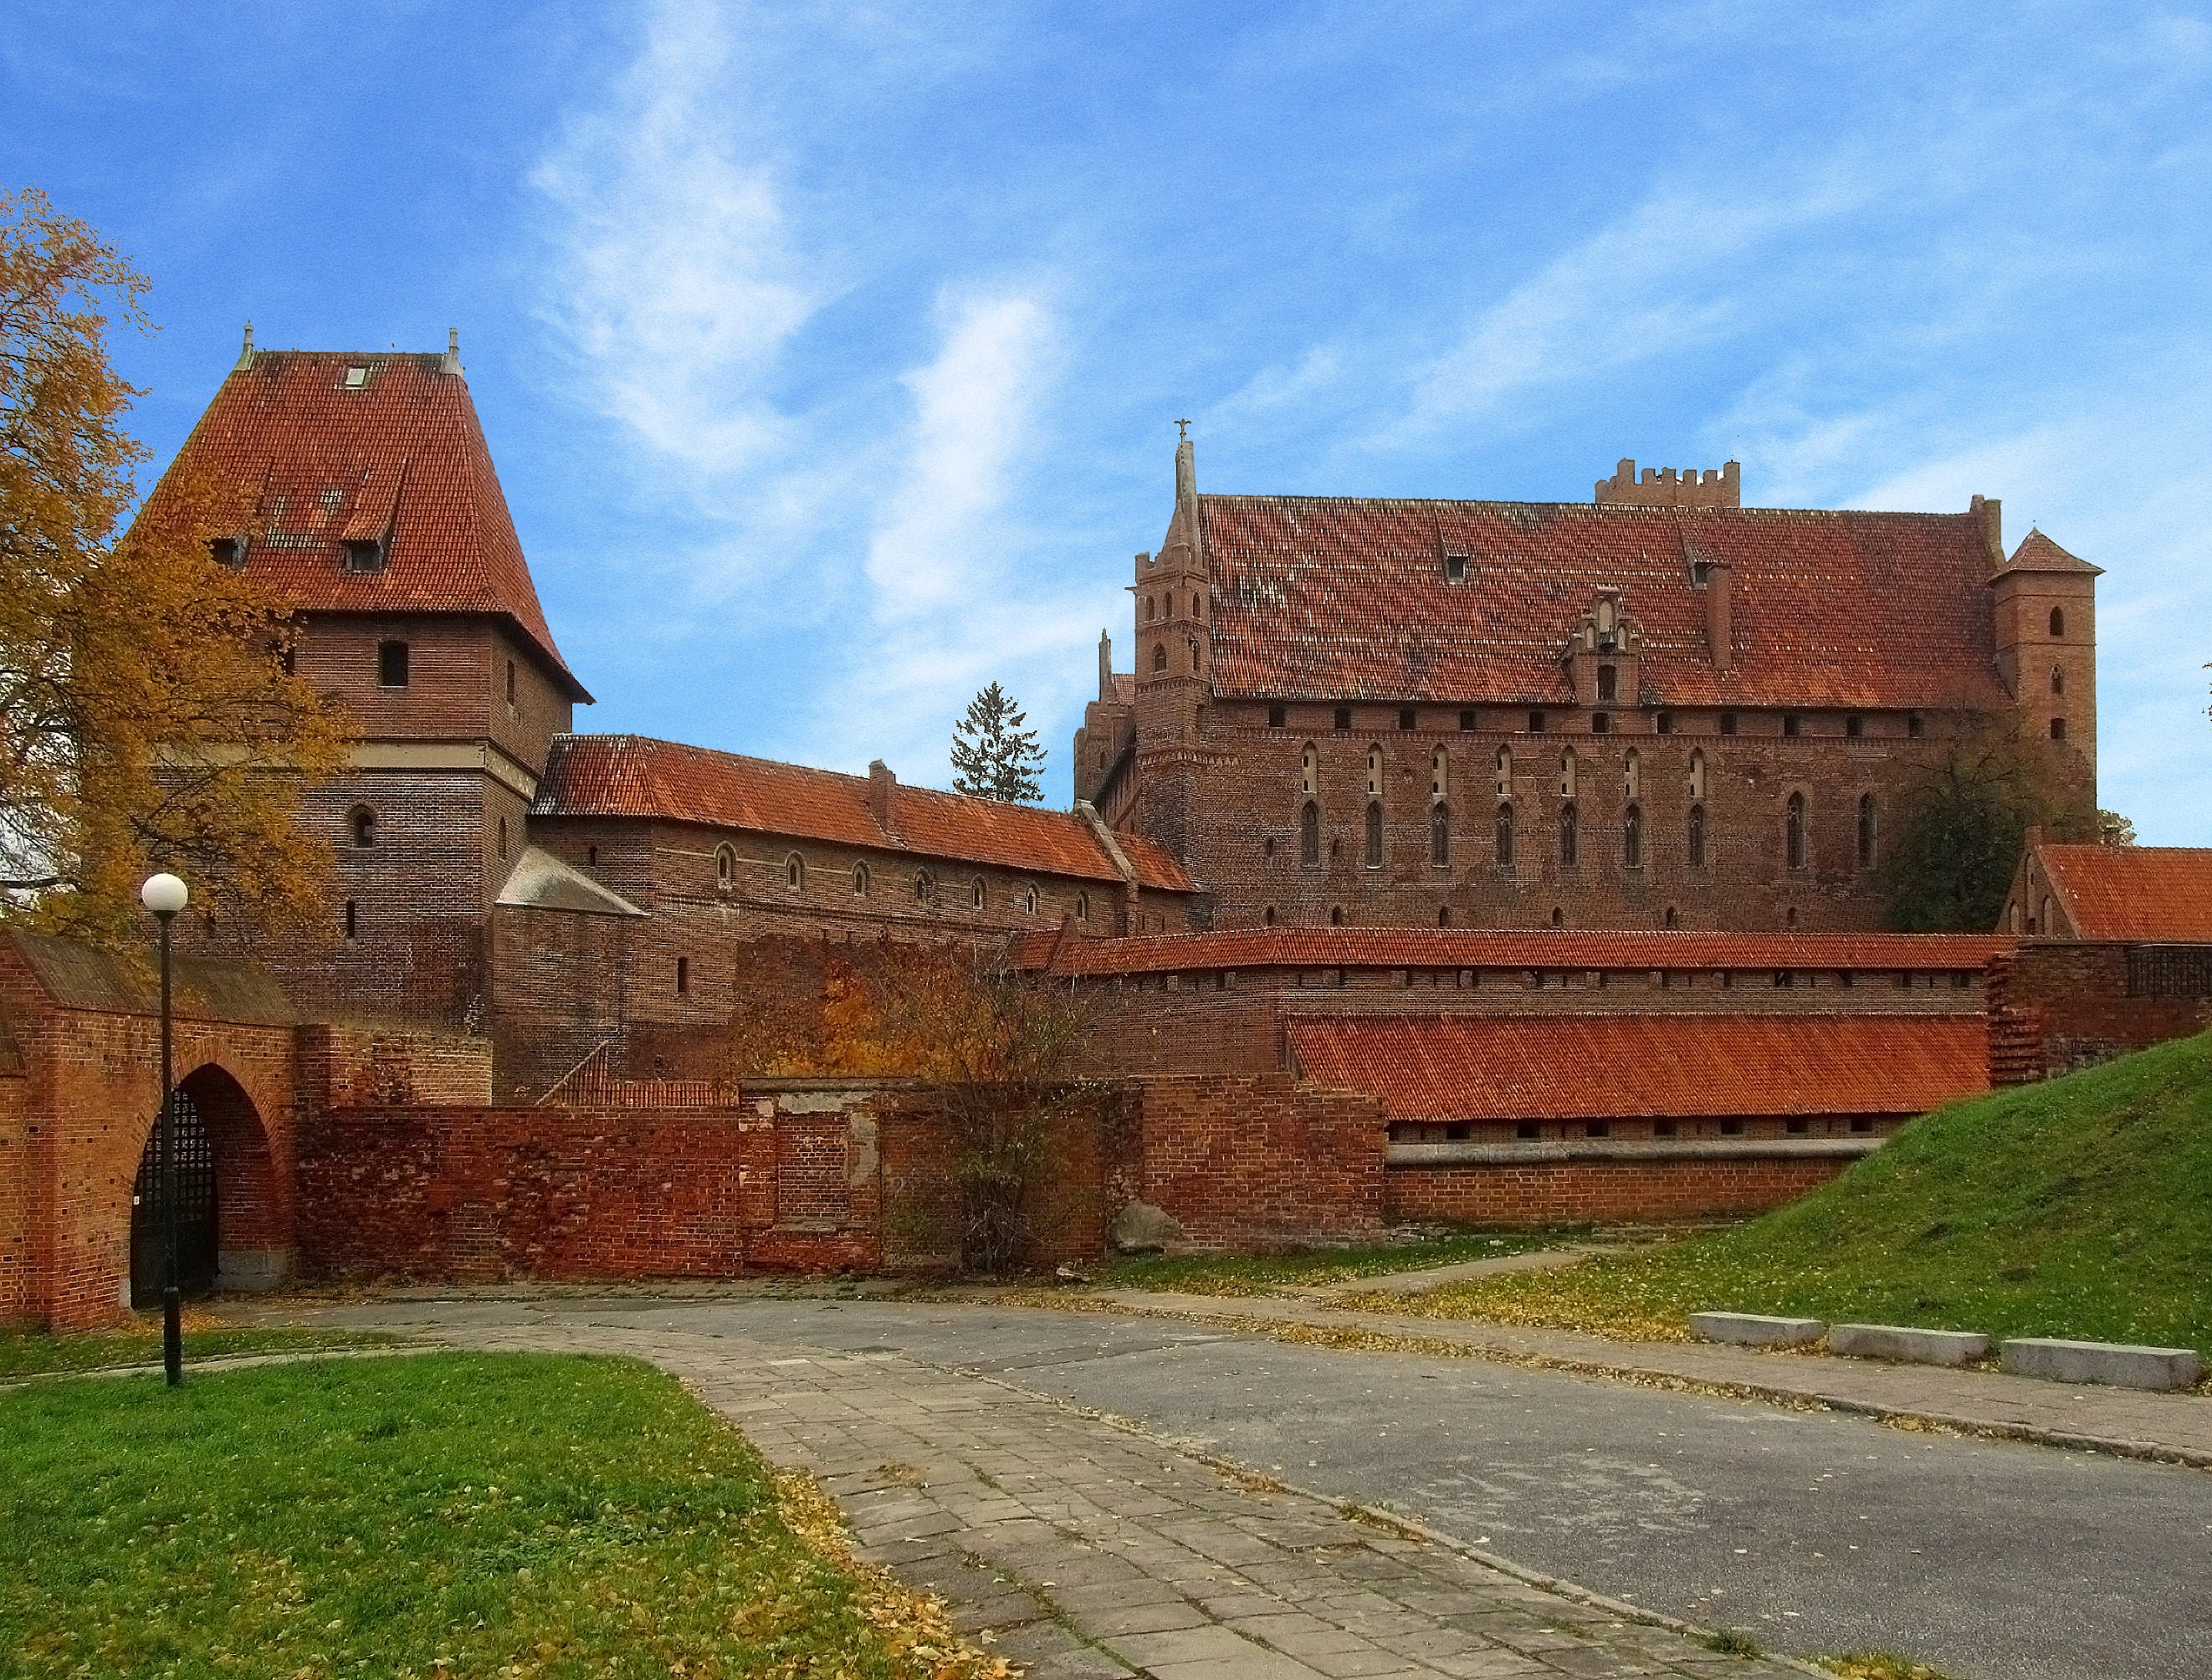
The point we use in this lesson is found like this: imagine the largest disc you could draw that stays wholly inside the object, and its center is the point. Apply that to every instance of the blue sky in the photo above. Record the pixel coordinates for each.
(830, 353)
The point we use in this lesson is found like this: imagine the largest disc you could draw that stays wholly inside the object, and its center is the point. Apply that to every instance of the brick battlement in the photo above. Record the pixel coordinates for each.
(1721, 487)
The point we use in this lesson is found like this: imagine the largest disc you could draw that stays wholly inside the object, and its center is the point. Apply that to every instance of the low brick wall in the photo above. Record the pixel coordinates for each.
(1254, 1160)
(2059, 1005)
(1563, 1192)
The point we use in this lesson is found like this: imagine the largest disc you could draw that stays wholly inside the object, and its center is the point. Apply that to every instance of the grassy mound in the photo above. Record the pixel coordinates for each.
(2079, 1208)
(437, 1515)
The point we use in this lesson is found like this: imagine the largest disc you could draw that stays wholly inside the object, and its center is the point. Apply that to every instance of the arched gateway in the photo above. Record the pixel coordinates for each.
(226, 1195)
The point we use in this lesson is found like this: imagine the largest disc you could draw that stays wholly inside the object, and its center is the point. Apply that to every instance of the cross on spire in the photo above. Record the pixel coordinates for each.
(1182, 430)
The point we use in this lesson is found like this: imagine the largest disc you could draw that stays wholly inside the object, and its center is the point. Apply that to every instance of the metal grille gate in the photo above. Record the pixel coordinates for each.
(196, 1225)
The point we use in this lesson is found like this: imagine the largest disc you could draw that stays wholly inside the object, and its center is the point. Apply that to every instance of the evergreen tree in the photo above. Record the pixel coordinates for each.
(993, 756)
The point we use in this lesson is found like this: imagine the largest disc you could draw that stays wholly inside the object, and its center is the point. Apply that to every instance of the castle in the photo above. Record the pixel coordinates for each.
(1655, 709)
(1499, 860)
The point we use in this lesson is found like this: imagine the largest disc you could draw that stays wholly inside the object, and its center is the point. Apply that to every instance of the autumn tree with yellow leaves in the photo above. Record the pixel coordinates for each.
(146, 717)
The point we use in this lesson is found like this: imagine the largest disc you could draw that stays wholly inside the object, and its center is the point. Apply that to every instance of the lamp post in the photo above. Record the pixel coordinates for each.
(165, 895)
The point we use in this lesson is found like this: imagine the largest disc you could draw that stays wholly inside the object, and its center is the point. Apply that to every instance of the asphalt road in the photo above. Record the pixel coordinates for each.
(1814, 1531)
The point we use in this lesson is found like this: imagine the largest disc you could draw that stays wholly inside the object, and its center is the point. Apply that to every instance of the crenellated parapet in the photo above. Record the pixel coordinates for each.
(1664, 487)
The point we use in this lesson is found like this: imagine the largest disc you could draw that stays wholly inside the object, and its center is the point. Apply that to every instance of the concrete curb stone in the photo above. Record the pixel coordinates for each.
(1907, 1344)
(2117, 1364)
(1756, 1329)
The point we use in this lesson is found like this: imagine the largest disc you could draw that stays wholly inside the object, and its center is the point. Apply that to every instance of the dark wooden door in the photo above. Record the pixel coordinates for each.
(196, 1227)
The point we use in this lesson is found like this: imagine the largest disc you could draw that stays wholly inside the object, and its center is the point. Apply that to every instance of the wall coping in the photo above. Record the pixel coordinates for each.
(1624, 1149)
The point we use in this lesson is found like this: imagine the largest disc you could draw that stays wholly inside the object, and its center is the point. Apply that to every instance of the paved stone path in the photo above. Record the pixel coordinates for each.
(1091, 1551)
(1435, 1278)
(2175, 1427)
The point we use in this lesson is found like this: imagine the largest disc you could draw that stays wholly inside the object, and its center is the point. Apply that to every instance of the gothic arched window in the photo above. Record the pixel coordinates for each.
(794, 872)
(1697, 773)
(1567, 769)
(1375, 834)
(2057, 679)
(1310, 835)
(1310, 771)
(726, 867)
(1631, 838)
(859, 881)
(1569, 835)
(1696, 837)
(361, 824)
(2059, 621)
(1374, 772)
(1633, 777)
(1793, 831)
(1159, 656)
(1440, 835)
(1505, 772)
(976, 893)
(925, 887)
(1439, 773)
(1505, 836)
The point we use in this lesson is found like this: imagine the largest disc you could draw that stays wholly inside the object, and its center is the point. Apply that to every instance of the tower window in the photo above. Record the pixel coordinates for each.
(1405, 717)
(2059, 728)
(1159, 656)
(2057, 680)
(1666, 723)
(1602, 724)
(1277, 716)
(2059, 621)
(1608, 685)
(1466, 721)
(1343, 718)
(1535, 723)
(510, 685)
(683, 976)
(391, 664)
(361, 824)
(1727, 723)
(502, 836)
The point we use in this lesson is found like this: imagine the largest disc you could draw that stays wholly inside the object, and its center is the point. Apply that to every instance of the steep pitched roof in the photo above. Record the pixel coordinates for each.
(1663, 1067)
(2037, 553)
(2133, 892)
(1437, 949)
(635, 776)
(400, 459)
(1344, 598)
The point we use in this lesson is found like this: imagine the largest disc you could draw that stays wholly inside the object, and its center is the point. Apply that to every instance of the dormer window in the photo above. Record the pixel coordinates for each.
(1455, 568)
(229, 551)
(356, 377)
(363, 555)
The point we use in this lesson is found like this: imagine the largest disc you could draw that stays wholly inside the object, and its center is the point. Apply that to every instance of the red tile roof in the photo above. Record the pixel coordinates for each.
(635, 776)
(1339, 597)
(2134, 892)
(1599, 1067)
(1427, 947)
(402, 459)
(2037, 553)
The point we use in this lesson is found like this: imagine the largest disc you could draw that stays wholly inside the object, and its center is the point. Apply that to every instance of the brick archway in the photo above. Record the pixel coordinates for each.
(229, 1195)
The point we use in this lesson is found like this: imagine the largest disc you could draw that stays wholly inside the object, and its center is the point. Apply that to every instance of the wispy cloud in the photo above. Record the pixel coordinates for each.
(675, 279)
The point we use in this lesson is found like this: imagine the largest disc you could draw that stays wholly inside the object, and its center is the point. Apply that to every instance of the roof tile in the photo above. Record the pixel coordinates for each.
(1596, 1066)
(2133, 892)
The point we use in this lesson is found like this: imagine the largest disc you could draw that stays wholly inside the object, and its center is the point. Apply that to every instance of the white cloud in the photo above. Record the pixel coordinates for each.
(674, 281)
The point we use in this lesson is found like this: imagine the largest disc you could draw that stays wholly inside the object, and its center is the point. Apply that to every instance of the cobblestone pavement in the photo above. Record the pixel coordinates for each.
(2175, 1427)
(1089, 1551)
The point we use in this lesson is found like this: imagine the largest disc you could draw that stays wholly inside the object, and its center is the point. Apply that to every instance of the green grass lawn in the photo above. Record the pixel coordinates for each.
(2079, 1208)
(439, 1514)
(1256, 1274)
(25, 1353)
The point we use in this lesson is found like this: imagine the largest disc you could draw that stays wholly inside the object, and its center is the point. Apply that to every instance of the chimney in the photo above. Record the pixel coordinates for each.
(451, 363)
(1989, 511)
(1720, 624)
(881, 783)
(1105, 665)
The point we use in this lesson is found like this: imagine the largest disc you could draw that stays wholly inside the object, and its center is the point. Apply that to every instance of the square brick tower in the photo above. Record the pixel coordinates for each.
(375, 510)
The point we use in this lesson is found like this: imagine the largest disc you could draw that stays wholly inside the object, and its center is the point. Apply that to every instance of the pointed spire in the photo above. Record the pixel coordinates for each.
(451, 364)
(1186, 529)
(1105, 665)
(245, 355)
